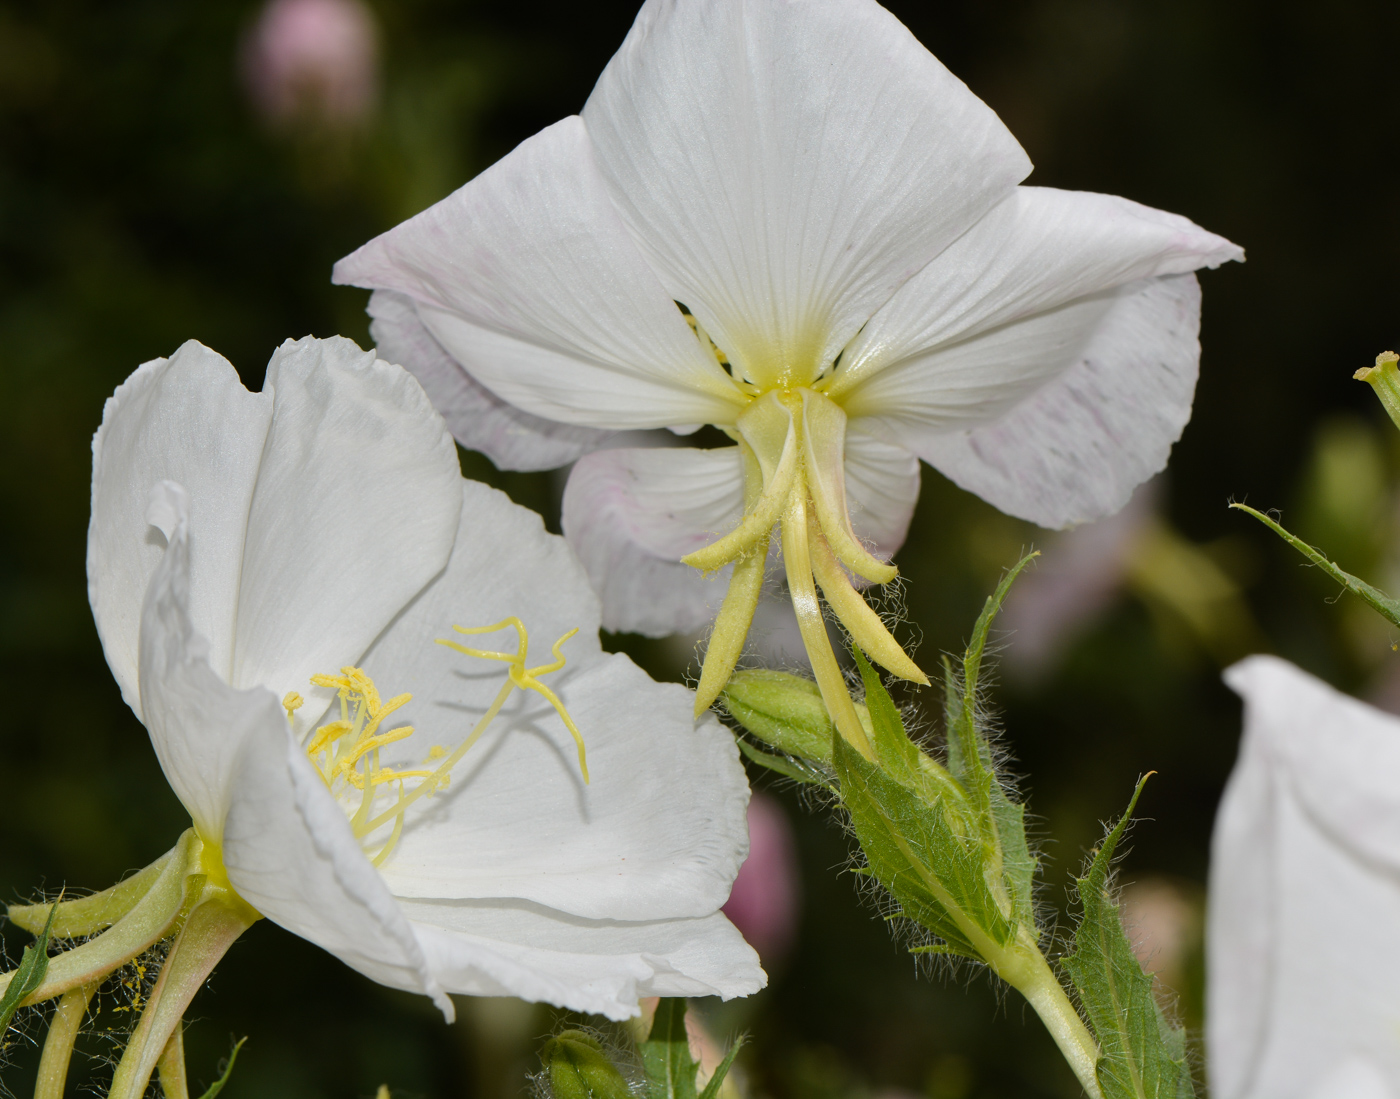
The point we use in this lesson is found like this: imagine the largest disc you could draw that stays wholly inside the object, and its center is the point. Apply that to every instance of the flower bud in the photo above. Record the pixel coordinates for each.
(783, 710)
(579, 1069)
(1384, 378)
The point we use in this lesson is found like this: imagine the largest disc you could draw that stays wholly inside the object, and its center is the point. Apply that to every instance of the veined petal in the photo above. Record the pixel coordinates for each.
(1105, 386)
(882, 487)
(1038, 250)
(355, 510)
(477, 418)
(197, 722)
(604, 966)
(289, 852)
(530, 280)
(1305, 879)
(631, 515)
(787, 165)
(659, 830)
(185, 419)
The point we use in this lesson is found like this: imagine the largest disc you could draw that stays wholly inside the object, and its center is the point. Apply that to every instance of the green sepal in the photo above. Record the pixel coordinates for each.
(666, 1059)
(91, 914)
(29, 975)
(783, 765)
(923, 853)
(1143, 1056)
(579, 1068)
(218, 1085)
(1377, 599)
(784, 711)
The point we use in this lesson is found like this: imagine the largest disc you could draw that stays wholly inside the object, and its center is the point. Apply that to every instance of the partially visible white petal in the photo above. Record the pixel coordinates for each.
(1304, 883)
(658, 832)
(882, 487)
(530, 280)
(786, 166)
(289, 852)
(1354, 1078)
(186, 419)
(1088, 400)
(197, 723)
(602, 966)
(630, 515)
(1040, 249)
(355, 511)
(477, 418)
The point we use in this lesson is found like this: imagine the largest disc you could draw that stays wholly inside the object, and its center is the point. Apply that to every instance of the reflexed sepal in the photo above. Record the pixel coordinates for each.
(1380, 602)
(670, 1069)
(578, 1067)
(1142, 1055)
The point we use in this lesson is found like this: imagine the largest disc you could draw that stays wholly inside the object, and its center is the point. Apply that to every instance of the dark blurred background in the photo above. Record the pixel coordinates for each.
(166, 174)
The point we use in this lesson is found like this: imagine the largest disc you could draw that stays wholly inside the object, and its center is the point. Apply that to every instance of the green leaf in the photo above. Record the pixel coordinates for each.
(789, 768)
(666, 1059)
(29, 976)
(722, 1070)
(782, 710)
(218, 1085)
(925, 853)
(1143, 1056)
(1378, 600)
(895, 752)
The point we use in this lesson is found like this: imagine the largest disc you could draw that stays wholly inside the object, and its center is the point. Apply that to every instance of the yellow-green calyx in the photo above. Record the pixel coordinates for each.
(793, 443)
(1384, 378)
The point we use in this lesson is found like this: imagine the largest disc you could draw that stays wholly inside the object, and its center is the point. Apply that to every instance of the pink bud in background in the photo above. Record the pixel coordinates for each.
(764, 901)
(313, 61)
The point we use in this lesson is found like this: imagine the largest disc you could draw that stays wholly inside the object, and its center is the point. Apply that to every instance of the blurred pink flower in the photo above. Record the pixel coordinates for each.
(764, 901)
(313, 60)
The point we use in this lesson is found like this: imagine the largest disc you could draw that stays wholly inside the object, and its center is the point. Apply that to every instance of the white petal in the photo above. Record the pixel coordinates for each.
(1040, 249)
(186, 419)
(289, 852)
(513, 949)
(1108, 382)
(529, 279)
(197, 723)
(631, 515)
(882, 487)
(355, 511)
(477, 418)
(1305, 882)
(786, 166)
(659, 831)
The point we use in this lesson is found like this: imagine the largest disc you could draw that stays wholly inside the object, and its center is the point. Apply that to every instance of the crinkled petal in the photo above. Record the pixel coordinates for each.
(786, 166)
(477, 418)
(185, 419)
(530, 280)
(1104, 386)
(659, 830)
(355, 510)
(630, 515)
(1038, 250)
(602, 966)
(289, 852)
(882, 487)
(1305, 882)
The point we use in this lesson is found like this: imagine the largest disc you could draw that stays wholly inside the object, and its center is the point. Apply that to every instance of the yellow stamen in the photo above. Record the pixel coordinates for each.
(292, 702)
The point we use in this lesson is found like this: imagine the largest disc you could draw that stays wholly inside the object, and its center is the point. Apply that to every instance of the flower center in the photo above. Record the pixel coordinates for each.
(793, 445)
(345, 752)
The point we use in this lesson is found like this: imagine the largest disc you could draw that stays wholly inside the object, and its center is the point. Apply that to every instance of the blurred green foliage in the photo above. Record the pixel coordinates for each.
(142, 203)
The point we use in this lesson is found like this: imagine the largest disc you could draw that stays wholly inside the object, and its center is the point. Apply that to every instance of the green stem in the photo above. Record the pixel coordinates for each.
(58, 1046)
(208, 932)
(1043, 991)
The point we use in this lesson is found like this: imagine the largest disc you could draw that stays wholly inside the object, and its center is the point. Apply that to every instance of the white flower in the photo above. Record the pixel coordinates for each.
(864, 285)
(1303, 966)
(322, 525)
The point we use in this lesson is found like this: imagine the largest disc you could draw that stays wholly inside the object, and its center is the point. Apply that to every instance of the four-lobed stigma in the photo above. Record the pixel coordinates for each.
(346, 751)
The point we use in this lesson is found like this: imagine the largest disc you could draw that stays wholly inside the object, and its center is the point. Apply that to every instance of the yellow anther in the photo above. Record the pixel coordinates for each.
(437, 751)
(292, 702)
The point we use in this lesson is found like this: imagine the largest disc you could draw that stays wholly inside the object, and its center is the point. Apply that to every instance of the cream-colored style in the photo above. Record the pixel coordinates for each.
(243, 543)
(1302, 964)
(786, 218)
